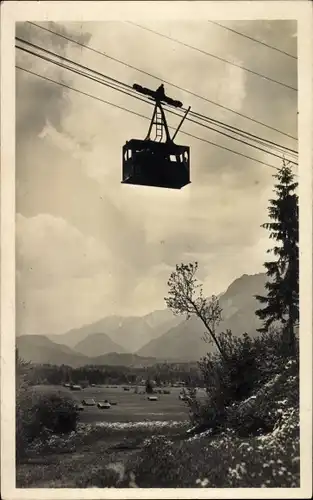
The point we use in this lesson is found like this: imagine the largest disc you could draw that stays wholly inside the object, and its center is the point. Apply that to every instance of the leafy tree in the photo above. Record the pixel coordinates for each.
(149, 388)
(185, 296)
(282, 299)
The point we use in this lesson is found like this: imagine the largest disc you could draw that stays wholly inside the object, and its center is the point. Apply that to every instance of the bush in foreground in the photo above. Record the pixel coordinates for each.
(40, 416)
(261, 413)
(257, 446)
(243, 387)
(224, 461)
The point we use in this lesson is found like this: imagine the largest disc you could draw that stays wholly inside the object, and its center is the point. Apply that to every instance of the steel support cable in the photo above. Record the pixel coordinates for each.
(164, 81)
(117, 82)
(143, 100)
(81, 73)
(143, 116)
(244, 133)
(77, 64)
(253, 39)
(213, 56)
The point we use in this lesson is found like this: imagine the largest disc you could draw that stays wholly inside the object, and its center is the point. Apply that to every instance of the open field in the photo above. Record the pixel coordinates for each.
(121, 449)
(125, 427)
(130, 407)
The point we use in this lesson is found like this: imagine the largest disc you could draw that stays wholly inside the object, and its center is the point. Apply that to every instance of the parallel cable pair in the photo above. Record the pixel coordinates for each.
(128, 90)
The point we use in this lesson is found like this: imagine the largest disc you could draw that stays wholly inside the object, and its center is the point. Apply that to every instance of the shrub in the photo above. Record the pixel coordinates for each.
(223, 461)
(23, 404)
(22, 422)
(56, 413)
(260, 414)
(241, 386)
(38, 416)
(270, 353)
(232, 377)
(227, 378)
(157, 465)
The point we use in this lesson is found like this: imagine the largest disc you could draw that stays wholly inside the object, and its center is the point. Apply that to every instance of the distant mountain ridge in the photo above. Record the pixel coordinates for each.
(129, 333)
(156, 336)
(185, 340)
(40, 350)
(97, 343)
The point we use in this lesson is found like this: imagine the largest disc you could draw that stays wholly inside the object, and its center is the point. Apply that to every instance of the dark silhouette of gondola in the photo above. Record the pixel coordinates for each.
(158, 162)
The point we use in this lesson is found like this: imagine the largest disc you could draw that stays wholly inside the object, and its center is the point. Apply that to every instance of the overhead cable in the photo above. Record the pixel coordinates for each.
(104, 54)
(143, 116)
(137, 97)
(214, 56)
(252, 39)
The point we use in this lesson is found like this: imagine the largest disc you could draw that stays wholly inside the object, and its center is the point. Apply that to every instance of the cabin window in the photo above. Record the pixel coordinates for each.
(172, 158)
(129, 153)
(125, 155)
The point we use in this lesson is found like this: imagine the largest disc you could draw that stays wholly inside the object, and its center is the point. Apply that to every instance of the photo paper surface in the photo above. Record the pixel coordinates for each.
(156, 248)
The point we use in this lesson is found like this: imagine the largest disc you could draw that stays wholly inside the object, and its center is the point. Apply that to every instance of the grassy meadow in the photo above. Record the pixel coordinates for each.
(142, 443)
(103, 436)
(130, 407)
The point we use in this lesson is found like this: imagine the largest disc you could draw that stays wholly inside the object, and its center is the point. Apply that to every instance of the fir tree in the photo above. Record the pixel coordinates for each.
(282, 300)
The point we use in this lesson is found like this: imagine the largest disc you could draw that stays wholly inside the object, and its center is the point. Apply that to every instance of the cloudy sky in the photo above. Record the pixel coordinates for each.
(88, 246)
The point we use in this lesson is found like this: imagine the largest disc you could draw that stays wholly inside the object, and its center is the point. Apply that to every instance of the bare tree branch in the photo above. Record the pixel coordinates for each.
(185, 296)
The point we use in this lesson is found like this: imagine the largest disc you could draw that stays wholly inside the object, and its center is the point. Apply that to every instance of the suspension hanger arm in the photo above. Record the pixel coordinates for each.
(168, 136)
(181, 122)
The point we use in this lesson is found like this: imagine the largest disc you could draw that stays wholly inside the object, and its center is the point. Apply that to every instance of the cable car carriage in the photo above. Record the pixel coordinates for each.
(156, 162)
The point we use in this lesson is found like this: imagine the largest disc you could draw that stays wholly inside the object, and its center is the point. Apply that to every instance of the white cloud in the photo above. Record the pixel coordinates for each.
(64, 278)
(151, 289)
(232, 86)
(49, 251)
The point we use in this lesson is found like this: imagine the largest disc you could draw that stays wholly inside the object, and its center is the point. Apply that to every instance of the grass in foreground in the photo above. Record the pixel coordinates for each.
(149, 456)
(69, 462)
(158, 454)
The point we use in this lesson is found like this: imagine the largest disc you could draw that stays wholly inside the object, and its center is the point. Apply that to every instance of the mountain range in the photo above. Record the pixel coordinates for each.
(185, 340)
(128, 333)
(158, 336)
(41, 350)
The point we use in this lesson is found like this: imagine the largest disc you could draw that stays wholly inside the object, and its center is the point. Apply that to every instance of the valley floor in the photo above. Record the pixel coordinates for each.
(152, 449)
(130, 407)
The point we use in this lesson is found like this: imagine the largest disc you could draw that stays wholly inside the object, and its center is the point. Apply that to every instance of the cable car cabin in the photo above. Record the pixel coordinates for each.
(153, 162)
(149, 163)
